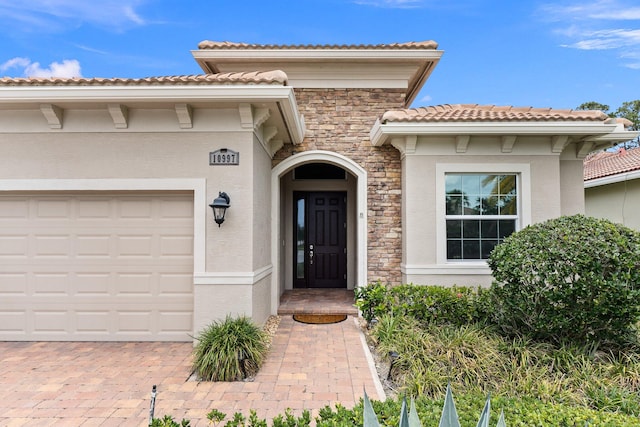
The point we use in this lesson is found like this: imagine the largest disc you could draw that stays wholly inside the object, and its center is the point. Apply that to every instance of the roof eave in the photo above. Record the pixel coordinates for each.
(422, 61)
(612, 179)
(284, 96)
(382, 132)
(97, 94)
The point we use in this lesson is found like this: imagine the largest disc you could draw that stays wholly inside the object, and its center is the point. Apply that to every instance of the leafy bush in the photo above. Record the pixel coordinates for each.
(230, 350)
(426, 304)
(371, 300)
(168, 421)
(572, 278)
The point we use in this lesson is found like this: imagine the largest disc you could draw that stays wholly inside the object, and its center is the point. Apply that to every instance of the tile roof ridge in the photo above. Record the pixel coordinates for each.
(490, 112)
(255, 77)
(211, 44)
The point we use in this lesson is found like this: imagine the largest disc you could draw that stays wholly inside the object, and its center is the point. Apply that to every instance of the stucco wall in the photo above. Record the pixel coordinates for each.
(340, 120)
(544, 180)
(619, 202)
(88, 147)
(571, 186)
(261, 212)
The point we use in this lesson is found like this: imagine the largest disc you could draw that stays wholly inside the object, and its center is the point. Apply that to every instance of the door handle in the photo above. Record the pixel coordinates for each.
(311, 254)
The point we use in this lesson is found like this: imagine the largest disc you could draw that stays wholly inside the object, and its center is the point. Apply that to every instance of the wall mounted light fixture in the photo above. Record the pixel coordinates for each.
(219, 206)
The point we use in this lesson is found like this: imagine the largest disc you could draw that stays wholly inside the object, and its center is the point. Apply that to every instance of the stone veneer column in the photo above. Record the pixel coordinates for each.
(340, 120)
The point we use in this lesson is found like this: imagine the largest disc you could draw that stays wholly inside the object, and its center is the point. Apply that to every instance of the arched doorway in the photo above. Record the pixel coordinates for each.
(291, 196)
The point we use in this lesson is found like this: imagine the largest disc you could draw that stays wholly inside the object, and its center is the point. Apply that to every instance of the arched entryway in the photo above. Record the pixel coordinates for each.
(289, 195)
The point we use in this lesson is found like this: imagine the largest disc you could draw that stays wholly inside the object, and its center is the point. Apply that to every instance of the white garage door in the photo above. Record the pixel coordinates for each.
(96, 267)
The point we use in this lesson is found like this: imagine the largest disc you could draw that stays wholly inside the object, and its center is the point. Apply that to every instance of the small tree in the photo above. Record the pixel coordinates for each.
(571, 279)
(630, 110)
(592, 105)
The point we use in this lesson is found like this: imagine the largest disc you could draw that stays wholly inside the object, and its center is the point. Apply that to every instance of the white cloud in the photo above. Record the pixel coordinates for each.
(60, 15)
(66, 68)
(607, 39)
(13, 63)
(608, 10)
(392, 4)
(596, 25)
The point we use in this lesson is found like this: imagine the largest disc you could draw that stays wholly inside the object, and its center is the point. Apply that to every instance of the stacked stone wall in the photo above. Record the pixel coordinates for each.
(340, 120)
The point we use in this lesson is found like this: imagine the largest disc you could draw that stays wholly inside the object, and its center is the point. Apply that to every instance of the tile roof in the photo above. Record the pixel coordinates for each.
(489, 113)
(207, 44)
(255, 77)
(606, 163)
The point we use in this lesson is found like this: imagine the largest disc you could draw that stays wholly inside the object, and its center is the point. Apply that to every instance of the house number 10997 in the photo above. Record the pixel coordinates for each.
(224, 157)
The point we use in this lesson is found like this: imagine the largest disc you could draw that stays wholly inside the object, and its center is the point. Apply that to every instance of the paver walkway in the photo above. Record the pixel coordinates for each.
(109, 384)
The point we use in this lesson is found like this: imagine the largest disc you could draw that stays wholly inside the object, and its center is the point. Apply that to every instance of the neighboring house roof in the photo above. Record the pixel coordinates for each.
(428, 44)
(489, 113)
(608, 164)
(256, 77)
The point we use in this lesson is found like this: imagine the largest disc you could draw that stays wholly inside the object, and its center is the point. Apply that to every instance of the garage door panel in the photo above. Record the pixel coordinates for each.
(13, 246)
(52, 245)
(51, 284)
(93, 284)
(13, 322)
(176, 246)
(14, 208)
(175, 284)
(87, 267)
(92, 245)
(13, 284)
(58, 208)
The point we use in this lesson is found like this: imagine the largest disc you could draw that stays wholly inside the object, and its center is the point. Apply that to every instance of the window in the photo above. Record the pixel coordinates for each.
(480, 211)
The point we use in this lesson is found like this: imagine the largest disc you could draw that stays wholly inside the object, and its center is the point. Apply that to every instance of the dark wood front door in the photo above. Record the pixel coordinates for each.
(320, 258)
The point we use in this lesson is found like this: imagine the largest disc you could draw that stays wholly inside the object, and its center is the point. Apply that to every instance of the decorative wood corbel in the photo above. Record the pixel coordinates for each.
(120, 115)
(462, 143)
(53, 114)
(185, 115)
(508, 141)
(558, 142)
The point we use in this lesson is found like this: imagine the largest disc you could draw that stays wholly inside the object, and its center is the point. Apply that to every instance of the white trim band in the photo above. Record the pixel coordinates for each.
(232, 277)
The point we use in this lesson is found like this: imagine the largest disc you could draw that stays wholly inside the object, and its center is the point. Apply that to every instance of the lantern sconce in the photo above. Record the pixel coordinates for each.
(219, 206)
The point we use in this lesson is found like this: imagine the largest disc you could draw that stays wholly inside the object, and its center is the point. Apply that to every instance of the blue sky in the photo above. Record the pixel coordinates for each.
(505, 52)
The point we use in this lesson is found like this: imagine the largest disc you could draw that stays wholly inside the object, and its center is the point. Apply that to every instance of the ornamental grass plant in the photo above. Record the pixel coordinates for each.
(229, 350)
(477, 359)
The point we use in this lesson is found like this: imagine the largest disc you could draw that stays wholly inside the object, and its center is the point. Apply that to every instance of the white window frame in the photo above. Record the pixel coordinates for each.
(523, 188)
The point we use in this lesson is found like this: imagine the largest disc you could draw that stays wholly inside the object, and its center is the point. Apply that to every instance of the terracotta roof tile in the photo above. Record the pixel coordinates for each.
(255, 77)
(605, 163)
(207, 44)
(489, 113)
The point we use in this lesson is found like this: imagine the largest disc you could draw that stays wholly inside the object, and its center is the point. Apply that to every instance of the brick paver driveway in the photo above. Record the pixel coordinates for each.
(109, 384)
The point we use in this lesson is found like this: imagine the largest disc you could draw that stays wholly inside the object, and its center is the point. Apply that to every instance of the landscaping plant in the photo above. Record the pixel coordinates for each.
(229, 350)
(574, 279)
(426, 304)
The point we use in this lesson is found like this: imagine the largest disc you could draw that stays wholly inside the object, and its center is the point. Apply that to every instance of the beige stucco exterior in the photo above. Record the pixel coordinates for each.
(617, 201)
(543, 180)
(231, 264)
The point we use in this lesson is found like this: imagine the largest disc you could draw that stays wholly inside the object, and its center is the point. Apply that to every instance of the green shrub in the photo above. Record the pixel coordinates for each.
(371, 300)
(517, 411)
(426, 304)
(571, 278)
(229, 350)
